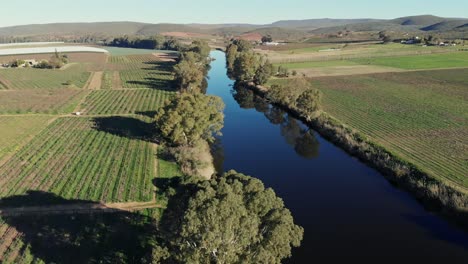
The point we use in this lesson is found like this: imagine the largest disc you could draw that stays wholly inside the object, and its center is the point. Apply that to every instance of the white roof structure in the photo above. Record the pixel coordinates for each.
(45, 50)
(30, 44)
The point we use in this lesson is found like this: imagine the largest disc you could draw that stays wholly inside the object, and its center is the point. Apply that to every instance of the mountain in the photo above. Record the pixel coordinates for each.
(446, 25)
(424, 20)
(69, 28)
(284, 29)
(310, 24)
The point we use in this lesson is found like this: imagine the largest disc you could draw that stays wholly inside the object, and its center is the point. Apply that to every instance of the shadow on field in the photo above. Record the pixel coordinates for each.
(150, 114)
(155, 83)
(128, 127)
(163, 76)
(119, 237)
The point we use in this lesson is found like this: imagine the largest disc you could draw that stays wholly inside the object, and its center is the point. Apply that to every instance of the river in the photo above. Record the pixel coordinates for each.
(349, 211)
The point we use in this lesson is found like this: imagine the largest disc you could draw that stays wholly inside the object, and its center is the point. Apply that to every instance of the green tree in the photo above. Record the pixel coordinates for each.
(231, 55)
(243, 45)
(263, 73)
(189, 73)
(309, 102)
(229, 219)
(201, 48)
(288, 92)
(245, 66)
(189, 118)
(267, 38)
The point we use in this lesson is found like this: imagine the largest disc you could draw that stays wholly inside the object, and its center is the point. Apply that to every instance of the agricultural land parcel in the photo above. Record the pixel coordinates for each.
(105, 155)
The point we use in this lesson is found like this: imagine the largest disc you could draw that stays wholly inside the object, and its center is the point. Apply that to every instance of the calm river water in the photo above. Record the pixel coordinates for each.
(350, 213)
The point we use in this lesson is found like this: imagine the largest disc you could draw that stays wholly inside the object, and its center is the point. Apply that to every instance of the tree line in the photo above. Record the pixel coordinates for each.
(158, 42)
(247, 66)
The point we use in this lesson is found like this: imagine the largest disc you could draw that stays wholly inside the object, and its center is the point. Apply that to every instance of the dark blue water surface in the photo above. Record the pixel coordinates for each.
(350, 212)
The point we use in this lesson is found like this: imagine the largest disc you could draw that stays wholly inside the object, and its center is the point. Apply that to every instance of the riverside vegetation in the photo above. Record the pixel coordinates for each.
(301, 96)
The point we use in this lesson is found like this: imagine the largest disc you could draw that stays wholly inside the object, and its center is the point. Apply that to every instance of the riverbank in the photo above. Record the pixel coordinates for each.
(443, 197)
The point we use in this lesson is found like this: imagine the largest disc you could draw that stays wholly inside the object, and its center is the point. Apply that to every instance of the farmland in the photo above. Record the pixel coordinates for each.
(40, 101)
(15, 130)
(129, 101)
(49, 157)
(143, 71)
(420, 116)
(64, 152)
(16, 79)
(433, 61)
(65, 159)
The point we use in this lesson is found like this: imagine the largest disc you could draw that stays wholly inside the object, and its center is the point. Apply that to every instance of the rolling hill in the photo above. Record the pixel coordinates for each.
(284, 29)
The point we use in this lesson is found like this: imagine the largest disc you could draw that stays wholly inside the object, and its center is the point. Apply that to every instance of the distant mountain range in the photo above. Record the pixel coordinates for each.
(279, 29)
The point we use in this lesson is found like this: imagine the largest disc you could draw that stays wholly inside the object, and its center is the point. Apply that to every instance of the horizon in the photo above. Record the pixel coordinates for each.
(213, 12)
(224, 23)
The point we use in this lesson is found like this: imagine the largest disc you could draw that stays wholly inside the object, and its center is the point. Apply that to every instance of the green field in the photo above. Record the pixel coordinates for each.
(432, 61)
(317, 64)
(116, 51)
(14, 130)
(101, 159)
(15, 79)
(420, 116)
(131, 101)
(143, 71)
(45, 101)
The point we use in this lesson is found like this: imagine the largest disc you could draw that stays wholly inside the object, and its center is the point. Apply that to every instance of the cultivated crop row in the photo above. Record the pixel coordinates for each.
(16, 129)
(44, 101)
(76, 158)
(40, 78)
(124, 101)
(423, 122)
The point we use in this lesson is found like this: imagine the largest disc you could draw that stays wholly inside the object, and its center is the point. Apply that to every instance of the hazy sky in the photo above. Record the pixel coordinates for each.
(19, 12)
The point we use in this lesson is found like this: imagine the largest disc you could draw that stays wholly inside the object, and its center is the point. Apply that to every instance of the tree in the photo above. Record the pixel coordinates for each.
(263, 73)
(267, 38)
(231, 55)
(189, 72)
(309, 102)
(243, 45)
(229, 219)
(385, 37)
(201, 48)
(288, 92)
(189, 118)
(245, 66)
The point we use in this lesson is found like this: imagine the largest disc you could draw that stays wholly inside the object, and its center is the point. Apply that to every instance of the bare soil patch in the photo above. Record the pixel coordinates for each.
(346, 70)
(167, 57)
(116, 81)
(95, 81)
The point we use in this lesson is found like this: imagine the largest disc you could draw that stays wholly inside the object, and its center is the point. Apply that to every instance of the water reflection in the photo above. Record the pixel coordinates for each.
(296, 134)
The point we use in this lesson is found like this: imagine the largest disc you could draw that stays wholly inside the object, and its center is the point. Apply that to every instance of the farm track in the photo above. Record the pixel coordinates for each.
(116, 81)
(78, 208)
(95, 81)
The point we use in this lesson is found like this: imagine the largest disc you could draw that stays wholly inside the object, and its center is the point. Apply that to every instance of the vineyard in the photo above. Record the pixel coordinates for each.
(418, 115)
(75, 238)
(15, 79)
(16, 129)
(94, 159)
(143, 71)
(45, 101)
(105, 158)
(130, 101)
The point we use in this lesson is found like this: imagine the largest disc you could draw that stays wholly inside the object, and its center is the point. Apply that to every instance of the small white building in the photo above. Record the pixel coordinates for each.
(271, 43)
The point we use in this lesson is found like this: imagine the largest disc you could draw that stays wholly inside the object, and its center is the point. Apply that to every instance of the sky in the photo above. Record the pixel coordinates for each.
(20, 12)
